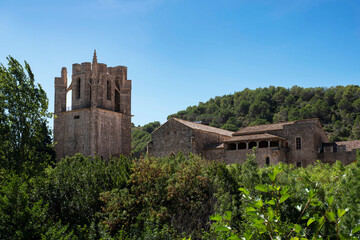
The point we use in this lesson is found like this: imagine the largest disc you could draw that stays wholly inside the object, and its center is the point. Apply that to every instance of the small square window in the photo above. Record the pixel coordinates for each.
(76, 117)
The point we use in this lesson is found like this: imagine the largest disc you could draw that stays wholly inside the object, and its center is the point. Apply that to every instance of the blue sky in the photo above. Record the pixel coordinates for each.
(181, 52)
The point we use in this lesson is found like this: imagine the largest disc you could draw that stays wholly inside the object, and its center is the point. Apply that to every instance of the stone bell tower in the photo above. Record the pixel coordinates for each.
(99, 119)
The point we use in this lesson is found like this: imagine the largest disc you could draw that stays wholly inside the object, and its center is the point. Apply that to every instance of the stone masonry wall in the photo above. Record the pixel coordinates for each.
(72, 133)
(171, 138)
(203, 139)
(311, 141)
(275, 155)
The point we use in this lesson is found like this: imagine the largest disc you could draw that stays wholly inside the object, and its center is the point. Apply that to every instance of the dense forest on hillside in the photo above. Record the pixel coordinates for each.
(338, 109)
(140, 136)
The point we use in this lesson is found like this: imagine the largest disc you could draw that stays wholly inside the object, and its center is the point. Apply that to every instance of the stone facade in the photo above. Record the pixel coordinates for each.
(99, 119)
(177, 135)
(298, 142)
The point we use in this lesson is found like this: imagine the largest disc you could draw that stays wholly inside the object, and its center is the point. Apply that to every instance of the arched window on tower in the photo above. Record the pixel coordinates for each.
(78, 88)
(108, 92)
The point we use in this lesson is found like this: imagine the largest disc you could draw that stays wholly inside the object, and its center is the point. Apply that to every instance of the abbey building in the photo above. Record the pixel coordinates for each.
(99, 119)
(300, 143)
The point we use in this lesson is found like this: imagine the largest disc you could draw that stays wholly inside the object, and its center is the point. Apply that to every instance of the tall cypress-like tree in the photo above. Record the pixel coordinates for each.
(25, 143)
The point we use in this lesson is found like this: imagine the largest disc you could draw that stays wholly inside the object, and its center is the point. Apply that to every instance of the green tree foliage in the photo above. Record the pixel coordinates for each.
(278, 104)
(72, 189)
(316, 217)
(20, 218)
(174, 197)
(173, 191)
(25, 142)
(140, 136)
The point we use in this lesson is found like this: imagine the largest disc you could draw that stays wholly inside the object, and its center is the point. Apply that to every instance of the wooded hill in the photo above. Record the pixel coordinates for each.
(140, 136)
(338, 109)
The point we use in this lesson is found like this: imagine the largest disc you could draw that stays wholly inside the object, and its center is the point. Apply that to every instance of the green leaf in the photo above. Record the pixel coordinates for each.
(271, 202)
(250, 209)
(298, 228)
(227, 215)
(284, 190)
(245, 191)
(311, 193)
(271, 213)
(261, 227)
(221, 229)
(216, 218)
(234, 237)
(310, 221)
(258, 204)
(315, 202)
(330, 215)
(330, 200)
(272, 175)
(284, 197)
(248, 235)
(341, 212)
(262, 188)
(356, 229)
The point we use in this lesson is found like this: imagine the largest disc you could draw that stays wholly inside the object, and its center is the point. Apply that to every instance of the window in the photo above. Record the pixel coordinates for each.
(117, 101)
(231, 146)
(263, 144)
(252, 144)
(76, 117)
(242, 145)
(298, 143)
(298, 164)
(267, 161)
(78, 88)
(108, 93)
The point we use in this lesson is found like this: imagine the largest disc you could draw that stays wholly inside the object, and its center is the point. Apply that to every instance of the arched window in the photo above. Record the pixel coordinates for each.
(78, 88)
(108, 87)
(242, 145)
(263, 144)
(252, 144)
(231, 146)
(267, 161)
(90, 93)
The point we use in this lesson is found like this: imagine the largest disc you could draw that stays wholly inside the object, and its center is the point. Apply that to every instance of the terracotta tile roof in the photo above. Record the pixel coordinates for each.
(261, 128)
(254, 137)
(205, 128)
(269, 127)
(350, 145)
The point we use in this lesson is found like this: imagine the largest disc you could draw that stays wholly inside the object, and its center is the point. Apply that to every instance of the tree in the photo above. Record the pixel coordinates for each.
(20, 218)
(25, 138)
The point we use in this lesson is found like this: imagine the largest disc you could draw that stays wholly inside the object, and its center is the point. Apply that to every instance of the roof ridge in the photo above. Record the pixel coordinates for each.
(202, 126)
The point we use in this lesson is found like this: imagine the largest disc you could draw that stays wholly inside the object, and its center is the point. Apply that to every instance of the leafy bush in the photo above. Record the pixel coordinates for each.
(174, 192)
(72, 189)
